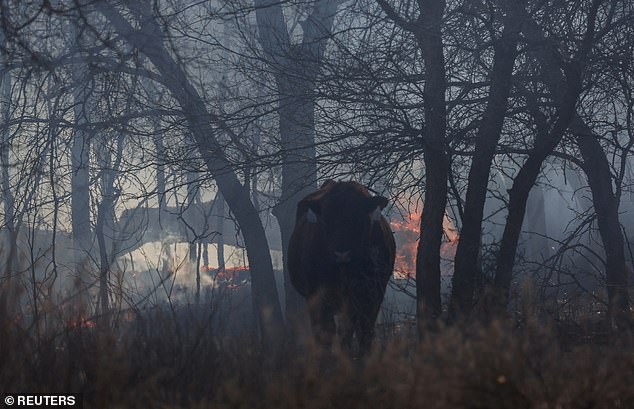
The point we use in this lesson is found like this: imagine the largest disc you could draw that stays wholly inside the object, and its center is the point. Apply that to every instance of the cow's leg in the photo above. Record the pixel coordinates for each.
(367, 313)
(346, 327)
(365, 332)
(322, 319)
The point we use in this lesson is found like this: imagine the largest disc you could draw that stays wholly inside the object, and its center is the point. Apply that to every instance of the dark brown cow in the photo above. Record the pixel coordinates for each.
(341, 257)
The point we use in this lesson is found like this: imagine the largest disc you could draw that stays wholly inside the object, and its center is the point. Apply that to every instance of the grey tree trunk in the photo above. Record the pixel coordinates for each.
(80, 177)
(537, 247)
(5, 179)
(606, 205)
(296, 69)
(193, 231)
(160, 153)
(160, 169)
(105, 221)
(220, 228)
(105, 207)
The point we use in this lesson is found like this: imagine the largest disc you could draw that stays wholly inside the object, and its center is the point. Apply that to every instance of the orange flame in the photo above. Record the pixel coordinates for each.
(407, 235)
(81, 322)
(230, 277)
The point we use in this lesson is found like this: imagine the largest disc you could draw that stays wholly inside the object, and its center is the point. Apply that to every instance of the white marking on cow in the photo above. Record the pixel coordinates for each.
(311, 217)
(375, 216)
(342, 257)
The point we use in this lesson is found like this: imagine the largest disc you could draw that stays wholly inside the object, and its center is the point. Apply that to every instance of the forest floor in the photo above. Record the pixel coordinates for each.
(176, 358)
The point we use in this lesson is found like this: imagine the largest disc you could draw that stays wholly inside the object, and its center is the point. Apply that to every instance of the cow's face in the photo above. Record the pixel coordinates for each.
(346, 217)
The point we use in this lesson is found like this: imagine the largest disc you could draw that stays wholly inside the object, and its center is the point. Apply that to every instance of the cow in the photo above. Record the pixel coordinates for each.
(340, 258)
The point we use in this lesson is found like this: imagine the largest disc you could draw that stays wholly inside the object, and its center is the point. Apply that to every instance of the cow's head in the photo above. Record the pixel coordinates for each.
(346, 214)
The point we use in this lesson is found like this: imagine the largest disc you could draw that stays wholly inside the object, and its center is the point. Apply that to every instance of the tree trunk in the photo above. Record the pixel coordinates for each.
(193, 231)
(160, 169)
(220, 227)
(606, 206)
(428, 34)
(538, 244)
(104, 262)
(466, 261)
(431, 230)
(160, 152)
(296, 70)
(80, 177)
(5, 179)
(105, 222)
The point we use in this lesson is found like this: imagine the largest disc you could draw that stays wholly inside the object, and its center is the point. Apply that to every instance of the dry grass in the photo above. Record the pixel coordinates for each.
(175, 358)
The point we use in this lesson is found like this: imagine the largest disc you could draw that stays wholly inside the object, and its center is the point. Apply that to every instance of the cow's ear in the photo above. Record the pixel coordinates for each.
(327, 183)
(376, 202)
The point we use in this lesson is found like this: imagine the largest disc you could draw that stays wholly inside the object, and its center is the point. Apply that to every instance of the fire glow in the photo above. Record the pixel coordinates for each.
(80, 322)
(407, 235)
(229, 277)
